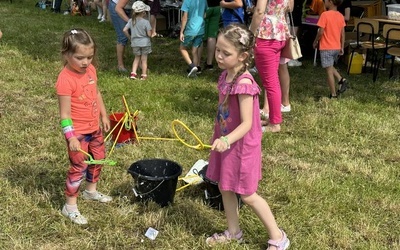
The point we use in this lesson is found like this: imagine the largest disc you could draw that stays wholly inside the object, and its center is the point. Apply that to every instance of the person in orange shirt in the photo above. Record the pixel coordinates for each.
(330, 38)
(81, 109)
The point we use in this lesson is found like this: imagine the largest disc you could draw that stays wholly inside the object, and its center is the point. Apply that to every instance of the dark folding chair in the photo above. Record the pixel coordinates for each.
(368, 27)
(392, 34)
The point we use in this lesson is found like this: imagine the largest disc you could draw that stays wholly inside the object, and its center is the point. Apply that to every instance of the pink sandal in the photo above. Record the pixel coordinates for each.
(223, 238)
(283, 244)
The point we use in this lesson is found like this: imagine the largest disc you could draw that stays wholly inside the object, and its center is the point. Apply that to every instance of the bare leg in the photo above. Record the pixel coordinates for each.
(199, 54)
(99, 7)
(264, 213)
(284, 79)
(153, 24)
(211, 42)
(70, 200)
(231, 211)
(104, 17)
(266, 106)
(135, 64)
(90, 186)
(336, 74)
(143, 60)
(195, 55)
(120, 56)
(185, 54)
(331, 79)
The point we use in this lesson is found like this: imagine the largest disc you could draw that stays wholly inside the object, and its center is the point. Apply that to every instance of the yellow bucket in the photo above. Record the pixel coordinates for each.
(356, 63)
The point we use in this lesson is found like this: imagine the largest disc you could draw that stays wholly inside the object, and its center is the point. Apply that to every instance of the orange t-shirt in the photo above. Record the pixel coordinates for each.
(82, 88)
(332, 22)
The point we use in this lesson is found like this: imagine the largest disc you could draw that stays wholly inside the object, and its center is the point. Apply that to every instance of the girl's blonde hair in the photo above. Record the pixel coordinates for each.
(243, 40)
(135, 15)
(72, 39)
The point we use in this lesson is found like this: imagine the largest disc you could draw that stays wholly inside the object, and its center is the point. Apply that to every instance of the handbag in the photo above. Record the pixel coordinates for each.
(292, 48)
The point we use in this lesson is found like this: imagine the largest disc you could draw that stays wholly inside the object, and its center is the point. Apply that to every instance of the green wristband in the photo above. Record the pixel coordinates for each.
(66, 122)
(225, 139)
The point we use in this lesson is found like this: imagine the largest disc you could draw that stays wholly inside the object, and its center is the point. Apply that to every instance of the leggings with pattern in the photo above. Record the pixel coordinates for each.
(93, 144)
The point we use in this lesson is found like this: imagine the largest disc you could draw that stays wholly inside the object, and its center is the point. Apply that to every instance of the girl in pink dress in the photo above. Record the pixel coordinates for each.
(235, 160)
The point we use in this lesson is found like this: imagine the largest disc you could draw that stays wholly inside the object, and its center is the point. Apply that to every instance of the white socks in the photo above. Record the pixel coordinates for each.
(71, 208)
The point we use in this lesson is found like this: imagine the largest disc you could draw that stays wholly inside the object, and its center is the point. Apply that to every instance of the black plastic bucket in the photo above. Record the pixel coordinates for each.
(156, 180)
(212, 195)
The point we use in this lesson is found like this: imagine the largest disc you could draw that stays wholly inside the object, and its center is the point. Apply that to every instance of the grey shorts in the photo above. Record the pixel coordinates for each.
(328, 57)
(138, 51)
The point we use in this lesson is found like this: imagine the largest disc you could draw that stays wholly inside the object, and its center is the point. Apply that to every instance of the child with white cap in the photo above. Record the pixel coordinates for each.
(140, 33)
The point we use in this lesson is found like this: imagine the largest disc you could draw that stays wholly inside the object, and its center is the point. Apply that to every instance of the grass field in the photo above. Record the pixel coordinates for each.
(331, 176)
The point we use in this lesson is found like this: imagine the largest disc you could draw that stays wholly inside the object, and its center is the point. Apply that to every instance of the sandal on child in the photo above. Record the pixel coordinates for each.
(133, 75)
(342, 86)
(143, 77)
(223, 238)
(283, 244)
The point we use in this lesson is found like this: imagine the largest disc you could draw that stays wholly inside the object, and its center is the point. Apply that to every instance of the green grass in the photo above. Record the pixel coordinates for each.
(331, 176)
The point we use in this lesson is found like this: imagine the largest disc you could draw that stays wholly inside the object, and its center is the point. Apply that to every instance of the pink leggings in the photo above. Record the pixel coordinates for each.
(267, 55)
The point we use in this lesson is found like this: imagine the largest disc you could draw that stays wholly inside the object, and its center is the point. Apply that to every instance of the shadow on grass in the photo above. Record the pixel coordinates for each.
(34, 180)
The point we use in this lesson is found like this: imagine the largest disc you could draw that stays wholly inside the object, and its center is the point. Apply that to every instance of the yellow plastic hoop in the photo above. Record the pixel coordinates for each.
(199, 146)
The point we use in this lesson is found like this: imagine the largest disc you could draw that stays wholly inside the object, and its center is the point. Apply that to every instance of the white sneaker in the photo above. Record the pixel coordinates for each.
(193, 72)
(103, 19)
(99, 16)
(285, 109)
(294, 63)
(96, 197)
(75, 217)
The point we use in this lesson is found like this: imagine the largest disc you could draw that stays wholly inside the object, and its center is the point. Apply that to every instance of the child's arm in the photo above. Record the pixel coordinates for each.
(342, 38)
(231, 5)
(126, 32)
(291, 5)
(246, 116)
(318, 37)
(183, 25)
(103, 113)
(65, 113)
(149, 30)
(258, 14)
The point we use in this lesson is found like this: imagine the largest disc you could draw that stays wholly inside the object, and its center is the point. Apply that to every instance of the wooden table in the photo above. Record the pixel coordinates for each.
(385, 19)
(372, 8)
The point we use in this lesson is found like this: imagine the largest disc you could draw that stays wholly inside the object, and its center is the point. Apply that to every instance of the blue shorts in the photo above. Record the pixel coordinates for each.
(329, 57)
(118, 23)
(192, 41)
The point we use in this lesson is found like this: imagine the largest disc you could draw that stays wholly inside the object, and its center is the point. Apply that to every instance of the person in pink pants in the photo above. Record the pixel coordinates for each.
(271, 29)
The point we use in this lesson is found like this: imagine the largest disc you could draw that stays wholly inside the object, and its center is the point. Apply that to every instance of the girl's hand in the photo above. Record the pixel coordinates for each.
(181, 37)
(74, 144)
(106, 123)
(219, 145)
